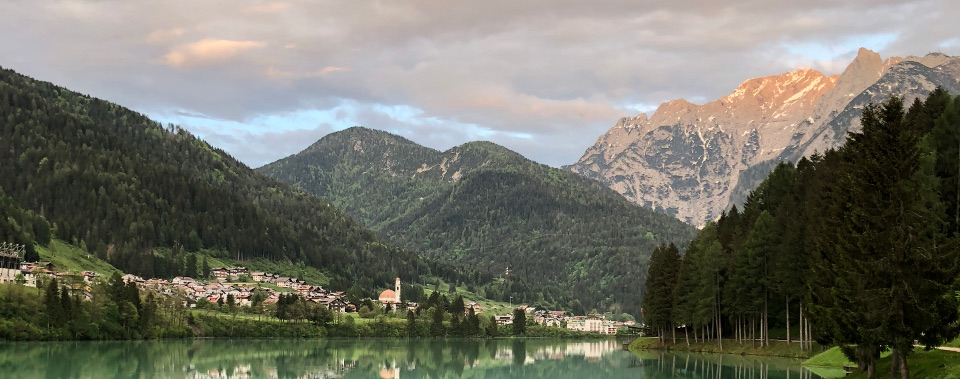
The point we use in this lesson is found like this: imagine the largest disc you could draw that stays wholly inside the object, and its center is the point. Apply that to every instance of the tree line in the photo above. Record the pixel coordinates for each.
(23, 227)
(66, 308)
(856, 247)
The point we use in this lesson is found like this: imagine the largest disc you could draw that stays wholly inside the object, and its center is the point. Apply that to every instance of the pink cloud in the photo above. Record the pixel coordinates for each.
(207, 51)
(266, 8)
(280, 74)
(163, 35)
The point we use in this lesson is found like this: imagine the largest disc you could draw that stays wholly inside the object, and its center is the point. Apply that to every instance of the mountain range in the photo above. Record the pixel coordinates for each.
(128, 189)
(576, 244)
(695, 161)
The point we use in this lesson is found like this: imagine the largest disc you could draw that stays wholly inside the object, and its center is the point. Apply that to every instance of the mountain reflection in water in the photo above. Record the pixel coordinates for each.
(367, 358)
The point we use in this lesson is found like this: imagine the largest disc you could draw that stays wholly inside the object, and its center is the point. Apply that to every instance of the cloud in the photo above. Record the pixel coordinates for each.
(270, 146)
(278, 74)
(163, 36)
(266, 8)
(207, 51)
(542, 76)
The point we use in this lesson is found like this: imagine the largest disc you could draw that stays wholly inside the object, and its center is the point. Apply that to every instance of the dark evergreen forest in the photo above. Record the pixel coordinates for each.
(856, 247)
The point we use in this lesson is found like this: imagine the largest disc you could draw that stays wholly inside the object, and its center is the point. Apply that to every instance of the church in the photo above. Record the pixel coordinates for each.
(391, 296)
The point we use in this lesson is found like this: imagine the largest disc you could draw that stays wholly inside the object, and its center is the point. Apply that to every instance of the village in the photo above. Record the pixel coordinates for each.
(241, 285)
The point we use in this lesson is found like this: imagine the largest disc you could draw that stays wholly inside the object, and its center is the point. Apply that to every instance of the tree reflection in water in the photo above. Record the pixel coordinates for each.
(332, 358)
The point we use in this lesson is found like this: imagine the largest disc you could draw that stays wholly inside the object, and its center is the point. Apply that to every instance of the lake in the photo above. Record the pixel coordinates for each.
(374, 358)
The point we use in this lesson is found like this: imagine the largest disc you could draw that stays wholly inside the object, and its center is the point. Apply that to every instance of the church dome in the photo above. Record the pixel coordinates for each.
(388, 295)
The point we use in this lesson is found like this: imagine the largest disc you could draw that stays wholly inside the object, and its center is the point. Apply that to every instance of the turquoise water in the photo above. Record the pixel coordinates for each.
(373, 358)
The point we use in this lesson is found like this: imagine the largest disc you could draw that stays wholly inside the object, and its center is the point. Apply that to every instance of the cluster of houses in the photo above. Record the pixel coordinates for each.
(31, 271)
(194, 290)
(596, 324)
(191, 289)
(591, 324)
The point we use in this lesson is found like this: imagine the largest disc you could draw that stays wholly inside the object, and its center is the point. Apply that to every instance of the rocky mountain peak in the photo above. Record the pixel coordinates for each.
(689, 160)
(866, 61)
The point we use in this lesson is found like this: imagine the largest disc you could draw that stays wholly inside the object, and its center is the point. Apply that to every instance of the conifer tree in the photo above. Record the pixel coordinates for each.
(945, 138)
(474, 323)
(412, 324)
(492, 327)
(757, 252)
(660, 287)
(893, 267)
(683, 293)
(205, 268)
(456, 307)
(51, 299)
(436, 328)
(519, 322)
(190, 269)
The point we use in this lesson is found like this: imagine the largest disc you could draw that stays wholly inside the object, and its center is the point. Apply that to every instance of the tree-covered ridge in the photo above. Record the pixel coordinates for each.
(857, 247)
(22, 227)
(569, 242)
(376, 176)
(121, 185)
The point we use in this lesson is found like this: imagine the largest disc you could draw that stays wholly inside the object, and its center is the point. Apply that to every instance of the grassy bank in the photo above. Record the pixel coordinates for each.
(832, 358)
(489, 306)
(830, 363)
(66, 257)
(923, 364)
(954, 343)
(776, 348)
(933, 364)
(208, 323)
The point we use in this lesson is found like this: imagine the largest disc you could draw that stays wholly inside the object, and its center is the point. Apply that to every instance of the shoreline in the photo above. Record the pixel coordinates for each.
(731, 347)
(334, 338)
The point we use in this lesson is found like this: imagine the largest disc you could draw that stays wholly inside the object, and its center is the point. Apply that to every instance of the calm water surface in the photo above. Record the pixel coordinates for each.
(278, 358)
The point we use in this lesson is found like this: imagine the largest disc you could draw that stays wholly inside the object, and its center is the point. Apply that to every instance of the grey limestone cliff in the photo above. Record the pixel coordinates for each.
(694, 161)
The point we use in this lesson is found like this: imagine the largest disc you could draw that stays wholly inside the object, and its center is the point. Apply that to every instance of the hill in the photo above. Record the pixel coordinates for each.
(123, 186)
(568, 241)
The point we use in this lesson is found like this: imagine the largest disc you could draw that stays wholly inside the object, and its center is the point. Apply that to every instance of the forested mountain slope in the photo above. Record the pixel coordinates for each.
(575, 243)
(121, 185)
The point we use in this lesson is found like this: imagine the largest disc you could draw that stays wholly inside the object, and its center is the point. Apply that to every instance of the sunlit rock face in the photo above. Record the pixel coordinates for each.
(694, 161)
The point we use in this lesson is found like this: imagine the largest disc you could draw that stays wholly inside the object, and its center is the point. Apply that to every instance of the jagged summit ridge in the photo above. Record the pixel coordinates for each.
(687, 159)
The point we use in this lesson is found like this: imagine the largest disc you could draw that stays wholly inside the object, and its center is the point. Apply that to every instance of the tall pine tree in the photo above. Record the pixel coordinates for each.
(660, 287)
(892, 264)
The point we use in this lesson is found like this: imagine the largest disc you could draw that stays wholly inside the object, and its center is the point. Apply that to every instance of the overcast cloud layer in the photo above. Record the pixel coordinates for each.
(266, 79)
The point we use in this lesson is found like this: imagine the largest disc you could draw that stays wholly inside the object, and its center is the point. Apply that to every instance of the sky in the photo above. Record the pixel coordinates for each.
(265, 79)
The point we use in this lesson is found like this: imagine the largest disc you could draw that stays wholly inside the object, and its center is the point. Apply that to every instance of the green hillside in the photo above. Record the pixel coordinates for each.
(123, 186)
(569, 241)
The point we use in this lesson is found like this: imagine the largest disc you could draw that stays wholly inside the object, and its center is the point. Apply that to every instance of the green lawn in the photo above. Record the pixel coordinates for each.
(776, 348)
(490, 307)
(954, 343)
(833, 358)
(66, 257)
(239, 316)
(934, 364)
